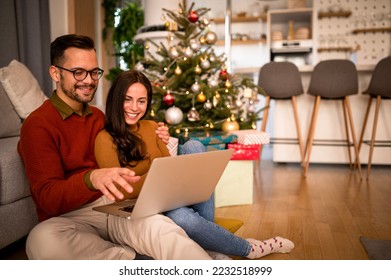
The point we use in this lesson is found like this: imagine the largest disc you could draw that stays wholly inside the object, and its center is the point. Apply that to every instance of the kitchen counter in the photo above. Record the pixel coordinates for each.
(330, 123)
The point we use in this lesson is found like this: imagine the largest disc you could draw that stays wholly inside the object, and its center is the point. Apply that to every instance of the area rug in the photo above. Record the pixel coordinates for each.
(377, 249)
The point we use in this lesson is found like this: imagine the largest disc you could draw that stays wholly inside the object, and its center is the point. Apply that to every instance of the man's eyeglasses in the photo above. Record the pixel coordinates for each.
(80, 74)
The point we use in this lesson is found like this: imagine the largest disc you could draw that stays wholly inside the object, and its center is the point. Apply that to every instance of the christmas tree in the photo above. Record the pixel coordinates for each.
(192, 88)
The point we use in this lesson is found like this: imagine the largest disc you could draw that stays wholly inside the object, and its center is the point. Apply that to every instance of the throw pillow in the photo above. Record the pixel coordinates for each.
(9, 120)
(22, 88)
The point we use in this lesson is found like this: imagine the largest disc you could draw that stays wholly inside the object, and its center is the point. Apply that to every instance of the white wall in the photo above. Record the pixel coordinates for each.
(58, 18)
(59, 26)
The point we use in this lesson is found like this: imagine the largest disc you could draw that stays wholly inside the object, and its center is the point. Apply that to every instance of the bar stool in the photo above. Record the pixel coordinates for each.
(379, 87)
(281, 80)
(334, 79)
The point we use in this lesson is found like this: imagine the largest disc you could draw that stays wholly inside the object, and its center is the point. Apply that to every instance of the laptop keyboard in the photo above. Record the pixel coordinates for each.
(127, 208)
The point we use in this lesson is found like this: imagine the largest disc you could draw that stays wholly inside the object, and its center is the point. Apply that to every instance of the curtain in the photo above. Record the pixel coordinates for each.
(25, 36)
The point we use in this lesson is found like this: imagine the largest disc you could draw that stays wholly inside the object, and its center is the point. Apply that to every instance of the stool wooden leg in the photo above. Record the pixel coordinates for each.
(298, 129)
(264, 120)
(347, 103)
(364, 127)
(378, 100)
(347, 133)
(311, 134)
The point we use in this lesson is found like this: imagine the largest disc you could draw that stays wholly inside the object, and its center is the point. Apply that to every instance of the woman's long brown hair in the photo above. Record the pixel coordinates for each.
(130, 146)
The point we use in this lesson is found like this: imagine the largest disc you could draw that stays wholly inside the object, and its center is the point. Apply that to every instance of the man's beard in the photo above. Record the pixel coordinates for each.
(71, 92)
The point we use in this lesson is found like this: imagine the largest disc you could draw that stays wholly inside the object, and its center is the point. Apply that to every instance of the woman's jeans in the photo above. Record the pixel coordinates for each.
(198, 220)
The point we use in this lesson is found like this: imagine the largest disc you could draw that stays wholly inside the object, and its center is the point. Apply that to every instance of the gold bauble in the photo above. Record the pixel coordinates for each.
(202, 40)
(198, 69)
(201, 97)
(230, 125)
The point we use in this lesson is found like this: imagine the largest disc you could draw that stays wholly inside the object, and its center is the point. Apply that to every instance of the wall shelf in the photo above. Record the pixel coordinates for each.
(240, 19)
(336, 49)
(341, 14)
(241, 42)
(365, 30)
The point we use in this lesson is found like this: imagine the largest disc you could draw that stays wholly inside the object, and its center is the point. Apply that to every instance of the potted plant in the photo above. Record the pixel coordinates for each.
(131, 18)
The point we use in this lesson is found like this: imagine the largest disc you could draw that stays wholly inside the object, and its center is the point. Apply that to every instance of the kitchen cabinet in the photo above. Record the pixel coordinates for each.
(290, 35)
(252, 24)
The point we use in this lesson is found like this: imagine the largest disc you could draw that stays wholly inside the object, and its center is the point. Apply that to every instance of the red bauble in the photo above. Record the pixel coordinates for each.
(169, 98)
(193, 16)
(224, 75)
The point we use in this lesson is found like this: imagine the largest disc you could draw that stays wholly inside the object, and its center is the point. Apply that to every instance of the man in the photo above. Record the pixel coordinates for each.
(56, 145)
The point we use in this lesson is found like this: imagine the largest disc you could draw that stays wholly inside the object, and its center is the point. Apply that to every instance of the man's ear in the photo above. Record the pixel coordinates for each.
(54, 73)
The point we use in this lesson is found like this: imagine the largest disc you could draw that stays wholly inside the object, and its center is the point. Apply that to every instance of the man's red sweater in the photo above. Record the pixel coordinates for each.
(57, 153)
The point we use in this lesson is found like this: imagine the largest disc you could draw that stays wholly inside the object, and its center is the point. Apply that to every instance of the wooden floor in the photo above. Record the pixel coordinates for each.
(324, 214)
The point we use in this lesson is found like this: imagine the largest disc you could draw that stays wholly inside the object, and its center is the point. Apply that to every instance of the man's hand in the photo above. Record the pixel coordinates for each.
(162, 132)
(110, 180)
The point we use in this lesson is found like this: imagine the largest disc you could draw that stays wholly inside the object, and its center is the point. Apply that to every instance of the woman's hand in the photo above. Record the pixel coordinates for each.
(162, 132)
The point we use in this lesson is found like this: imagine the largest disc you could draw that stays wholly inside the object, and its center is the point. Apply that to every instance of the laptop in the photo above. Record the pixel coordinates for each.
(174, 182)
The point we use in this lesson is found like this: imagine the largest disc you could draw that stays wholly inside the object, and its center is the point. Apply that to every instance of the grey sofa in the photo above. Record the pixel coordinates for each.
(17, 209)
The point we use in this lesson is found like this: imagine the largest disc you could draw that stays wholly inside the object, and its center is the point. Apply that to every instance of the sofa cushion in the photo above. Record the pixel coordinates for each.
(13, 180)
(22, 88)
(9, 120)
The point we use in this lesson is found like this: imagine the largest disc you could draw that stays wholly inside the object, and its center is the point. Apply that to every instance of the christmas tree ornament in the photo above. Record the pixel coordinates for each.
(202, 40)
(211, 37)
(168, 98)
(193, 115)
(167, 25)
(230, 124)
(173, 53)
(205, 64)
(213, 82)
(208, 105)
(238, 103)
(173, 115)
(195, 87)
(193, 16)
(172, 26)
(215, 101)
(188, 52)
(212, 57)
(146, 46)
(198, 69)
(201, 97)
(224, 74)
(203, 23)
(194, 45)
(228, 84)
(248, 92)
(178, 71)
(139, 67)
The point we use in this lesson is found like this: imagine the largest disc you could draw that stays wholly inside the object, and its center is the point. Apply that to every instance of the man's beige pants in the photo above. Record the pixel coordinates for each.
(90, 235)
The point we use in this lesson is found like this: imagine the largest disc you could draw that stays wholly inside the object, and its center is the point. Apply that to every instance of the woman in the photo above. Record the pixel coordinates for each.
(130, 141)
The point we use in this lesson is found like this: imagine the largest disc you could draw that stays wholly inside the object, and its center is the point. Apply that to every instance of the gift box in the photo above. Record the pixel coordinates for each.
(251, 137)
(235, 186)
(213, 140)
(244, 152)
(209, 148)
(173, 146)
(208, 137)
